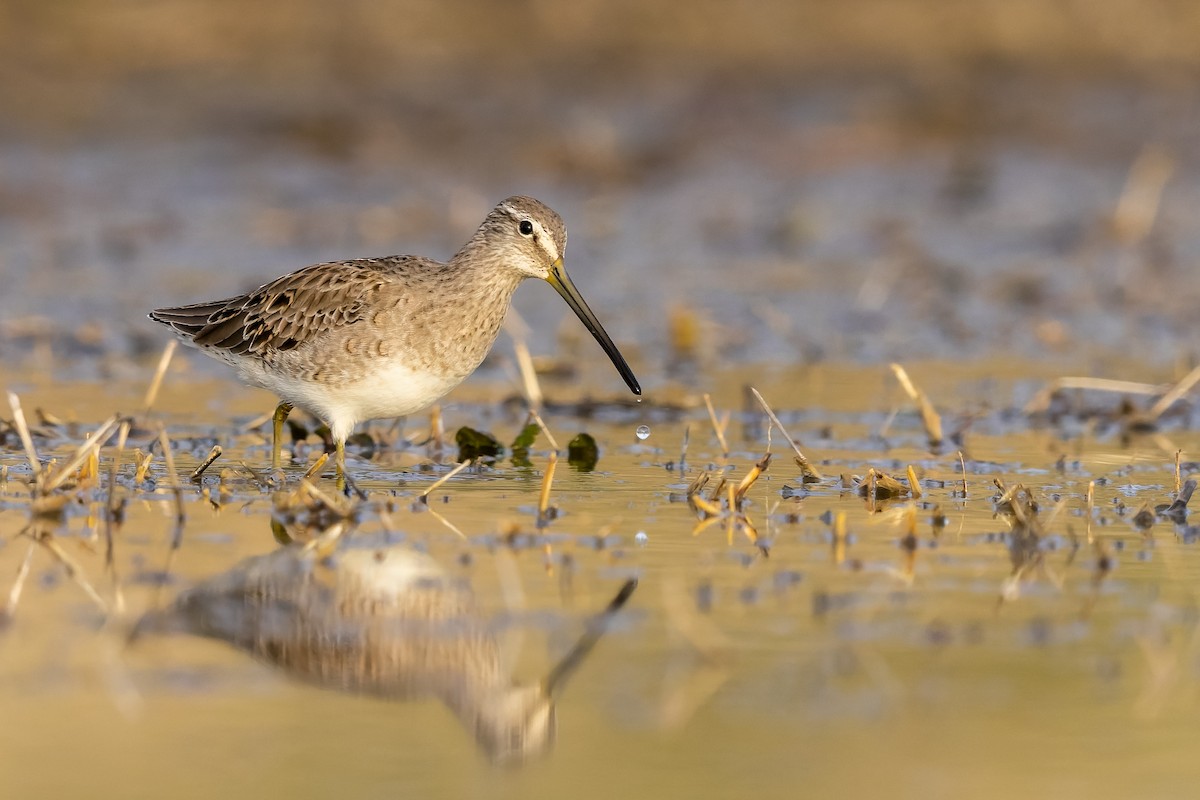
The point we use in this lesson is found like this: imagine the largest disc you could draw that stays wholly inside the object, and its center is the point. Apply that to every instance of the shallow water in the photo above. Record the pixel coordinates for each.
(859, 671)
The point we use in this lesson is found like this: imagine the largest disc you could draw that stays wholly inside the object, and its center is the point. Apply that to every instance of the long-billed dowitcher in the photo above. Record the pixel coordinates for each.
(350, 341)
(387, 622)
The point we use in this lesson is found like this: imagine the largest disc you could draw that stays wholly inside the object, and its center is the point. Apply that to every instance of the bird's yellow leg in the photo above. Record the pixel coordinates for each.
(340, 466)
(281, 414)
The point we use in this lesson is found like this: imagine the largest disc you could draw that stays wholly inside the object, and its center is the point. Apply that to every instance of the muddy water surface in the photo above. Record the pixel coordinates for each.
(965, 657)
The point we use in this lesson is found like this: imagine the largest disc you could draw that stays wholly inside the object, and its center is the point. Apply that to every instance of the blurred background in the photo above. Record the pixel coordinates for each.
(762, 182)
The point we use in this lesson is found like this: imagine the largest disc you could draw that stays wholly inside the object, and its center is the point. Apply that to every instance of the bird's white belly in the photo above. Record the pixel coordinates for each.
(392, 390)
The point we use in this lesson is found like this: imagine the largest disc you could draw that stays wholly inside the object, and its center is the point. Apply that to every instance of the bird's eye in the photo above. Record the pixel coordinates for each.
(526, 228)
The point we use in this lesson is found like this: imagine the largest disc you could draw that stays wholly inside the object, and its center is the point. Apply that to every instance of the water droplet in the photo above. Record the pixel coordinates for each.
(643, 431)
(640, 537)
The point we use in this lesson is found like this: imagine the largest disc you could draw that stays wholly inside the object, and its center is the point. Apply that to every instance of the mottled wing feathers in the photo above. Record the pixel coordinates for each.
(286, 312)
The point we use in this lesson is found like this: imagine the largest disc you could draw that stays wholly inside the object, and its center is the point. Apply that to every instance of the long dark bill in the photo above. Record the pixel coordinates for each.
(562, 284)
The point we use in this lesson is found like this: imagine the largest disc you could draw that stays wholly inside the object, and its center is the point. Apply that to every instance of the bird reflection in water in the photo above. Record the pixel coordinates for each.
(387, 622)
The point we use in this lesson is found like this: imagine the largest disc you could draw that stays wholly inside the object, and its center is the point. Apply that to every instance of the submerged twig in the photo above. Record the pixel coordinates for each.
(424, 496)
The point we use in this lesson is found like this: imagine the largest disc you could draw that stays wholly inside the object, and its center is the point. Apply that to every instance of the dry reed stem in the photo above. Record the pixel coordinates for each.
(159, 373)
(1174, 394)
(718, 427)
(143, 465)
(22, 427)
(545, 429)
(213, 455)
(962, 462)
(1041, 400)
(929, 415)
(424, 496)
(803, 462)
(914, 486)
(317, 466)
(751, 477)
(55, 479)
(1178, 475)
(544, 497)
(518, 331)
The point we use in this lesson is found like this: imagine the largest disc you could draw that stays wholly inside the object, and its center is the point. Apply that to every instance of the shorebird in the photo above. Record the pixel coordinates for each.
(369, 338)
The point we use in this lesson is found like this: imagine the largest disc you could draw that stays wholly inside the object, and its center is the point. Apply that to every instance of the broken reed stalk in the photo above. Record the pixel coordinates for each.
(962, 462)
(22, 427)
(753, 475)
(929, 415)
(1041, 400)
(317, 466)
(424, 496)
(803, 462)
(914, 486)
(518, 331)
(159, 373)
(544, 497)
(718, 427)
(545, 429)
(1178, 475)
(213, 455)
(1173, 395)
(55, 479)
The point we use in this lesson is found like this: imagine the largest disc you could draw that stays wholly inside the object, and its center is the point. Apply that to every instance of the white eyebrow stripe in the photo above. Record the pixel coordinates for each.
(546, 241)
(543, 237)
